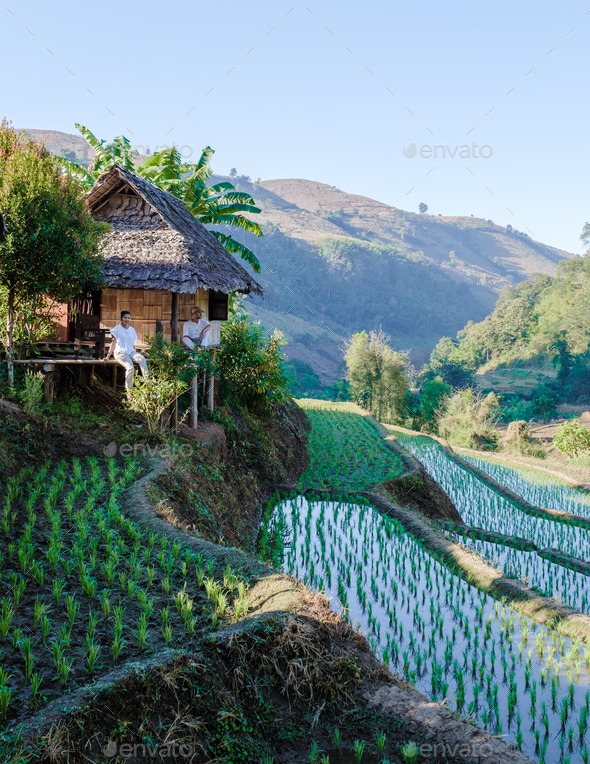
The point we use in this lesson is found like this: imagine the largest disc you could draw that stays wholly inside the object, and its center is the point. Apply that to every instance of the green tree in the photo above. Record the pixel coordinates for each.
(423, 208)
(216, 205)
(433, 394)
(52, 246)
(377, 375)
(563, 357)
(445, 362)
(572, 437)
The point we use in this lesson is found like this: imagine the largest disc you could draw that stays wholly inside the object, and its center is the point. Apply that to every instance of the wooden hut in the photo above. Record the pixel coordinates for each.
(159, 262)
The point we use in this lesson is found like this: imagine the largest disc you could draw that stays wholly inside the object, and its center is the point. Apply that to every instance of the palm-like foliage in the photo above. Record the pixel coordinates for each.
(217, 205)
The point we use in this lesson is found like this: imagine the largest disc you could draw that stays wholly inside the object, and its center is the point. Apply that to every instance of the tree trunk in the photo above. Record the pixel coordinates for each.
(10, 335)
(380, 394)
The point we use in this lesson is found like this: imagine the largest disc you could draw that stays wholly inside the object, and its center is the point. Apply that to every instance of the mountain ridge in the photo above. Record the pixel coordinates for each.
(343, 262)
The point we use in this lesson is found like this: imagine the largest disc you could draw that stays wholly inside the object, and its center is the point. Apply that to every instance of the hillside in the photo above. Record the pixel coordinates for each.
(340, 262)
(348, 263)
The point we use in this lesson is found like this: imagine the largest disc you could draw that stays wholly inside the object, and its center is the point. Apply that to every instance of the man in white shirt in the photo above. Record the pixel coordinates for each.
(195, 333)
(123, 348)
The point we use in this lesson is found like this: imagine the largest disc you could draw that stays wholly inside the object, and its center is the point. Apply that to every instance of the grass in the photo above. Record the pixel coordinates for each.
(347, 450)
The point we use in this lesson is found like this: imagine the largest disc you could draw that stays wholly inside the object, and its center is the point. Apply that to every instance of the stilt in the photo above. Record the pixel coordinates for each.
(193, 418)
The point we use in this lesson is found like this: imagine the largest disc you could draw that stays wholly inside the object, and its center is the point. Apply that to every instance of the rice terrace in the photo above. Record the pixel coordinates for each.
(290, 474)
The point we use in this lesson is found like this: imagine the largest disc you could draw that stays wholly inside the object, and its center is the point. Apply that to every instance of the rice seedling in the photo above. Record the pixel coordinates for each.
(118, 644)
(337, 738)
(381, 739)
(358, 750)
(92, 651)
(64, 669)
(409, 751)
(5, 698)
(36, 681)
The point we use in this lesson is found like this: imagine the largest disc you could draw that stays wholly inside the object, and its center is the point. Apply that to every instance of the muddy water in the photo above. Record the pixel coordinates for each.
(435, 630)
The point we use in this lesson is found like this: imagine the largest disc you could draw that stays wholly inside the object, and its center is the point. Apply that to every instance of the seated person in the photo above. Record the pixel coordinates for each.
(195, 333)
(123, 348)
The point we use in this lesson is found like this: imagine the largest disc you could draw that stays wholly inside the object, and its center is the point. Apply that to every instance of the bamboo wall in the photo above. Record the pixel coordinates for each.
(147, 305)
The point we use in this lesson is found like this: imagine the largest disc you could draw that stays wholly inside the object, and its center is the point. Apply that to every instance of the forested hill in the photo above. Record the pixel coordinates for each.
(346, 262)
(335, 262)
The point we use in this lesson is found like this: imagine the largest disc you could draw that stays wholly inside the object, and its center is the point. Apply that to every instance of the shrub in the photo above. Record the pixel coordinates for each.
(32, 393)
(150, 397)
(468, 420)
(572, 437)
(250, 365)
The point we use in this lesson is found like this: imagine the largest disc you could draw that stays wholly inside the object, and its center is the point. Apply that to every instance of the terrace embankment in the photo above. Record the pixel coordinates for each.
(416, 489)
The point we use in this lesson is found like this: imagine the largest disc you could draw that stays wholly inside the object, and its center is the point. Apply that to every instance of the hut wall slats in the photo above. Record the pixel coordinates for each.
(147, 305)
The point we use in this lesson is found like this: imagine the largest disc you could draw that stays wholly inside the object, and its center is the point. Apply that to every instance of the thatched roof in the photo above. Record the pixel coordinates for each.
(155, 242)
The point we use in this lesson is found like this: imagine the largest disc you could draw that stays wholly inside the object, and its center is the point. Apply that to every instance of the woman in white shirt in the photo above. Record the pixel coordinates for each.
(123, 348)
(195, 333)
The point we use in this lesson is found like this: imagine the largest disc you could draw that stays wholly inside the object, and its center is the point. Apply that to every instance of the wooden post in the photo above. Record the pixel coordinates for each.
(174, 318)
(211, 387)
(193, 418)
(114, 376)
(49, 382)
(174, 338)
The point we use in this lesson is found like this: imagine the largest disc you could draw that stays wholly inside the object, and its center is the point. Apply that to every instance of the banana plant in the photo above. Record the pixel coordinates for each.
(216, 205)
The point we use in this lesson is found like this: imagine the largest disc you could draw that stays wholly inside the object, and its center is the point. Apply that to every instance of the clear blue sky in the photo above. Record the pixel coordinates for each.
(331, 92)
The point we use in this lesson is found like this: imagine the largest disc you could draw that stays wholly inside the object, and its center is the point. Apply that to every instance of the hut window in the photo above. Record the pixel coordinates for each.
(218, 306)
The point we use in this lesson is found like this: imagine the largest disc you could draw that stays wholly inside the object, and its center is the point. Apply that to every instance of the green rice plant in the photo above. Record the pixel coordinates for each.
(64, 669)
(16, 637)
(165, 614)
(36, 680)
(229, 578)
(190, 625)
(337, 737)
(122, 578)
(5, 698)
(167, 634)
(380, 744)
(130, 589)
(19, 591)
(25, 646)
(67, 566)
(118, 644)
(315, 754)
(151, 571)
(52, 557)
(142, 627)
(105, 602)
(93, 619)
(358, 749)
(7, 614)
(72, 608)
(45, 628)
(108, 571)
(91, 652)
(37, 573)
(200, 575)
(88, 586)
(221, 604)
(39, 611)
(57, 650)
(409, 751)
(65, 635)
(166, 586)
(325, 759)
